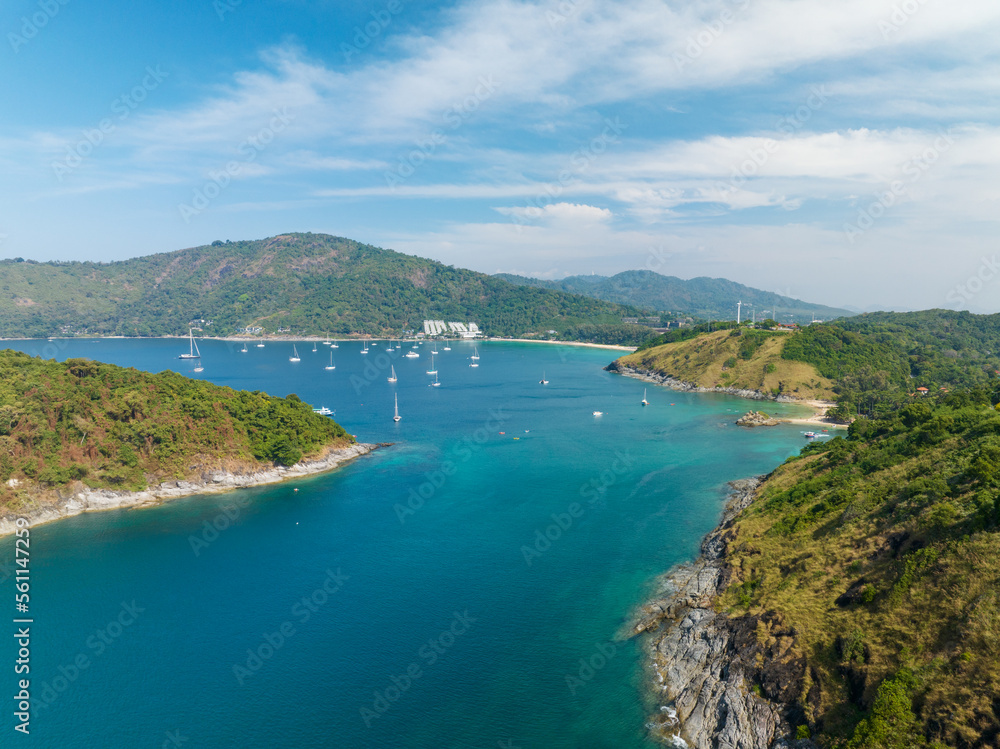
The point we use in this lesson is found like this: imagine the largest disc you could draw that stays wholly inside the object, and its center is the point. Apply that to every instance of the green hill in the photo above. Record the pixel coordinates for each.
(79, 422)
(709, 298)
(310, 283)
(881, 554)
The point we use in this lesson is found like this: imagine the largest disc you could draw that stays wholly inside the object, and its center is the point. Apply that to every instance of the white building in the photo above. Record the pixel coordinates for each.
(460, 329)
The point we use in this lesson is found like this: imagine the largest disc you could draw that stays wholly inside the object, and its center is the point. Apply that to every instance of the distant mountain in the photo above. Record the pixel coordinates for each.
(308, 283)
(711, 298)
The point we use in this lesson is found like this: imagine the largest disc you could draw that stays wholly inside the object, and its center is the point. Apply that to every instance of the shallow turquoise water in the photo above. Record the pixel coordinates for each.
(450, 619)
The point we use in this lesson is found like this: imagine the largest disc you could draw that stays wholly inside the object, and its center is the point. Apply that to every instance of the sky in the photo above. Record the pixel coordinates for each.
(841, 152)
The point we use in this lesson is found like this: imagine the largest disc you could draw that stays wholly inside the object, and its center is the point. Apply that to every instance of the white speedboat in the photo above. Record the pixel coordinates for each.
(598, 413)
(412, 355)
(322, 411)
(543, 381)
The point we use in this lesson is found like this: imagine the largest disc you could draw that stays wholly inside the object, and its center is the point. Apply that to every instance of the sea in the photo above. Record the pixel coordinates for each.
(467, 586)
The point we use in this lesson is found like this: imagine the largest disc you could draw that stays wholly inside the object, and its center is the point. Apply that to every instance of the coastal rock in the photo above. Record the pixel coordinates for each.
(212, 482)
(756, 419)
(673, 383)
(721, 685)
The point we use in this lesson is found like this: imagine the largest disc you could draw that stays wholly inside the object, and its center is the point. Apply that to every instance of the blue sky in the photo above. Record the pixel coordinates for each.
(844, 153)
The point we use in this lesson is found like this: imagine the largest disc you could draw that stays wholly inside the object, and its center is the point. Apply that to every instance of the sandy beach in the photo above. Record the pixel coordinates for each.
(819, 415)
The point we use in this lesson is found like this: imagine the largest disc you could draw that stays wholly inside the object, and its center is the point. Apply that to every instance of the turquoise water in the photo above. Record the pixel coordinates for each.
(437, 613)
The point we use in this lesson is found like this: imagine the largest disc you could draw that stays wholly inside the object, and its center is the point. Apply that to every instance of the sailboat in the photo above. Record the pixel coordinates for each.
(396, 416)
(244, 349)
(435, 384)
(314, 347)
(195, 353)
(295, 354)
(644, 401)
(260, 345)
(447, 348)
(432, 370)
(434, 350)
(475, 352)
(543, 381)
(199, 368)
(365, 349)
(392, 376)
(331, 365)
(389, 349)
(327, 342)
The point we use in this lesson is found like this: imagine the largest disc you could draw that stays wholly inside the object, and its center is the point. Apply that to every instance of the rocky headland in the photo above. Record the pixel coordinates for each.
(673, 383)
(723, 682)
(756, 419)
(209, 482)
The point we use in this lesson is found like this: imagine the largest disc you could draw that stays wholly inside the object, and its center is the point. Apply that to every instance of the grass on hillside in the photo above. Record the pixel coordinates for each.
(883, 553)
(740, 358)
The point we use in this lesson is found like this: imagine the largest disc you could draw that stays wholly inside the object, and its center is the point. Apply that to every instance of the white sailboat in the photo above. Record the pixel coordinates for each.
(392, 376)
(389, 349)
(475, 352)
(314, 347)
(434, 350)
(331, 365)
(474, 364)
(195, 353)
(644, 401)
(244, 349)
(396, 416)
(295, 354)
(543, 381)
(260, 345)
(327, 342)
(436, 383)
(365, 349)
(432, 370)
(447, 348)
(199, 368)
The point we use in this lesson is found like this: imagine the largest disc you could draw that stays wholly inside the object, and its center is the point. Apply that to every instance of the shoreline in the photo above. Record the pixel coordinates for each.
(820, 407)
(702, 664)
(320, 339)
(211, 482)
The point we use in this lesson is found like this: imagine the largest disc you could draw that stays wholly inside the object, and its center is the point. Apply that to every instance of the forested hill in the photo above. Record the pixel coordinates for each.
(310, 283)
(709, 298)
(103, 426)
(873, 364)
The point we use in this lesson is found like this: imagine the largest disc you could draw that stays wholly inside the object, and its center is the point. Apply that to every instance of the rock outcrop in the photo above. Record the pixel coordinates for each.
(673, 383)
(90, 500)
(724, 682)
(756, 419)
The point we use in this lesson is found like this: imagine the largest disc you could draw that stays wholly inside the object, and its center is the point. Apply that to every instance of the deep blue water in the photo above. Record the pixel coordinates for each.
(433, 621)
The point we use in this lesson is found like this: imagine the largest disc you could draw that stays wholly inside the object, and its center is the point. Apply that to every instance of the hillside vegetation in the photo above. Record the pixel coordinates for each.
(881, 553)
(83, 423)
(708, 298)
(739, 358)
(310, 283)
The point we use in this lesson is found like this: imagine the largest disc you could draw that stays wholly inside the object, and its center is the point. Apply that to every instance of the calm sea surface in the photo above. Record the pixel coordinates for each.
(463, 588)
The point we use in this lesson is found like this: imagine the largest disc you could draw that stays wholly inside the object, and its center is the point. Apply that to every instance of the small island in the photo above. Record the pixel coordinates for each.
(81, 435)
(757, 419)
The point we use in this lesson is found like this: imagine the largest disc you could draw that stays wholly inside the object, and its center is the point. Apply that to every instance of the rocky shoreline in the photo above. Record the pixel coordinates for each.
(673, 383)
(212, 482)
(722, 682)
